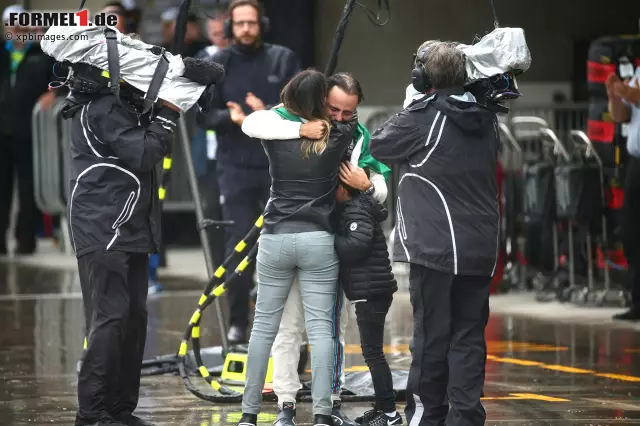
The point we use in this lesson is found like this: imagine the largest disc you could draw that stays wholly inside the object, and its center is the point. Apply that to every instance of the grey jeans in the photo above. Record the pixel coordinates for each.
(312, 256)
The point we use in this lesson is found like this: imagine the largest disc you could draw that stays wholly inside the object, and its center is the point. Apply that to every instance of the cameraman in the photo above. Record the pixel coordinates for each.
(114, 223)
(447, 229)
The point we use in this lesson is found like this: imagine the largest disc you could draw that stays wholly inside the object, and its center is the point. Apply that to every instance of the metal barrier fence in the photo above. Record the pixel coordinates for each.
(50, 159)
(51, 162)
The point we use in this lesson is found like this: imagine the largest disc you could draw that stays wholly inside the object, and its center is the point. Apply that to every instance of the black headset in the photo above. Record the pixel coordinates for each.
(265, 25)
(419, 77)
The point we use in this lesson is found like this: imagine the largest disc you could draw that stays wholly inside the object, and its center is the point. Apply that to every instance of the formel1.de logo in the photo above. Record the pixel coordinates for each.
(60, 19)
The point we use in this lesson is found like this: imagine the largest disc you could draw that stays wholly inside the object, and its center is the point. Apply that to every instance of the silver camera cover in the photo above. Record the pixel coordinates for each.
(502, 50)
(137, 62)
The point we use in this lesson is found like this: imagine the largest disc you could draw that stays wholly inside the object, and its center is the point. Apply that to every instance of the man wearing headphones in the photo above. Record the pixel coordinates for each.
(447, 230)
(256, 72)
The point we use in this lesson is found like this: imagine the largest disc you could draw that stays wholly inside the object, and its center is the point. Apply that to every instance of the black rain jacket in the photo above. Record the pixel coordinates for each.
(303, 191)
(447, 201)
(114, 204)
(365, 267)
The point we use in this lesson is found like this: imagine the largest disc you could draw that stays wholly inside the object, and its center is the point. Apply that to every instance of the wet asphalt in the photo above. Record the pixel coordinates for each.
(538, 372)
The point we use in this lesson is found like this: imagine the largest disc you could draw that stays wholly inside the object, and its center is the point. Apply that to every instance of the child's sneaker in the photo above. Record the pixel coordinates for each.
(381, 419)
(368, 415)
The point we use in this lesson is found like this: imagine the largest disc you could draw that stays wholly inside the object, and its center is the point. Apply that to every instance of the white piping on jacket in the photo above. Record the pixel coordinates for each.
(75, 187)
(86, 136)
(444, 120)
(446, 208)
(402, 231)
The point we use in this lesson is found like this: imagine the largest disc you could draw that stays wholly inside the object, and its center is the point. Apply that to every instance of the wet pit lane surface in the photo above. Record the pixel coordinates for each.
(538, 373)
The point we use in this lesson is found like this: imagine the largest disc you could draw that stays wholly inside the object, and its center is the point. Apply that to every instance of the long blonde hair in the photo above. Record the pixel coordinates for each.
(305, 96)
(317, 146)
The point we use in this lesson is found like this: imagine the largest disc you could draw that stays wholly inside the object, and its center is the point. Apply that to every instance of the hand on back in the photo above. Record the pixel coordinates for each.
(313, 129)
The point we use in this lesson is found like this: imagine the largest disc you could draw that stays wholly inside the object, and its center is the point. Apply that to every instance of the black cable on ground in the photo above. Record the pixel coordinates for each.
(223, 393)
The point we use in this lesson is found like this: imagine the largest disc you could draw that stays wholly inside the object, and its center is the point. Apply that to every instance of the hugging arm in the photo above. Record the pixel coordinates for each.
(268, 125)
(379, 185)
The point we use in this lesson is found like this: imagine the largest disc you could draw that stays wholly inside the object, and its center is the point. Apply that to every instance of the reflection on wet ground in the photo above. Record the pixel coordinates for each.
(538, 373)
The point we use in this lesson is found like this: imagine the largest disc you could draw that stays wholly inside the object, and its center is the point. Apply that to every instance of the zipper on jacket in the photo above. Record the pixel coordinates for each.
(123, 214)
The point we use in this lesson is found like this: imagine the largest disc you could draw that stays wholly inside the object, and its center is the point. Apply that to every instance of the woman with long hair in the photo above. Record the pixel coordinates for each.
(298, 237)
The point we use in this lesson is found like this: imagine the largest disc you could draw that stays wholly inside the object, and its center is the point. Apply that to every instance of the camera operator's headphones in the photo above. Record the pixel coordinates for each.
(419, 77)
(265, 23)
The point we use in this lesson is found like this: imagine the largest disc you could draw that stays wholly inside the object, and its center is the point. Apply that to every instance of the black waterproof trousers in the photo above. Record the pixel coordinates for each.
(114, 290)
(449, 351)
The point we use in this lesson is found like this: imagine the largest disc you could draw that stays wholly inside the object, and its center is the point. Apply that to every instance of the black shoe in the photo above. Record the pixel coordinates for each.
(286, 415)
(322, 420)
(381, 419)
(132, 420)
(368, 415)
(248, 420)
(630, 315)
(339, 418)
(237, 335)
(107, 422)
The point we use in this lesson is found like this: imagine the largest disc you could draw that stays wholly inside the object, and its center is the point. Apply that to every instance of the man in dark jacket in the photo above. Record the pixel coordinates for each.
(447, 228)
(25, 74)
(256, 72)
(365, 274)
(114, 223)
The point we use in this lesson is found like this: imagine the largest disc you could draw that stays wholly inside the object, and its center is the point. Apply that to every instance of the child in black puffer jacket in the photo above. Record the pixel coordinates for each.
(368, 282)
